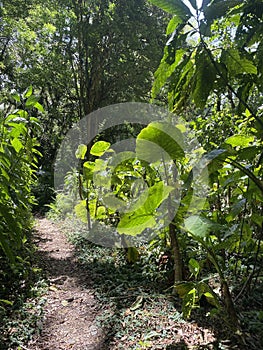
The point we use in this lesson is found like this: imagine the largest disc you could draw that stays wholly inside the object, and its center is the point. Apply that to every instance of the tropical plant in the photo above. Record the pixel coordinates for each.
(18, 159)
(213, 61)
(209, 60)
(138, 192)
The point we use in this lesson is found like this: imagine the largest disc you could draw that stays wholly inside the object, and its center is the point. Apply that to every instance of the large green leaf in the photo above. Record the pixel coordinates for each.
(160, 141)
(132, 257)
(17, 129)
(122, 159)
(257, 180)
(101, 175)
(257, 219)
(240, 140)
(16, 97)
(243, 94)
(99, 148)
(95, 211)
(236, 209)
(175, 7)
(204, 79)
(134, 223)
(81, 151)
(191, 293)
(88, 170)
(182, 81)
(199, 226)
(166, 68)
(31, 101)
(172, 25)
(38, 106)
(17, 144)
(28, 92)
(236, 64)
(249, 153)
(184, 288)
(112, 202)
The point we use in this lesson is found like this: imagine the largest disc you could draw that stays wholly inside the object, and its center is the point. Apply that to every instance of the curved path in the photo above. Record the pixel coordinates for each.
(70, 310)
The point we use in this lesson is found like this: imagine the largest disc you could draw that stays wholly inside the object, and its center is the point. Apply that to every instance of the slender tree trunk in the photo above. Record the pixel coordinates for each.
(229, 304)
(177, 258)
(227, 297)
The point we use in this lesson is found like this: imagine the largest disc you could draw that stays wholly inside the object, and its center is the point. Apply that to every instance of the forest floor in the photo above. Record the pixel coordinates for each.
(94, 301)
(70, 309)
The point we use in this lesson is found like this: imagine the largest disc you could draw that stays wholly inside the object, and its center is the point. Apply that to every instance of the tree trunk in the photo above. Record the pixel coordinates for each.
(229, 304)
(176, 253)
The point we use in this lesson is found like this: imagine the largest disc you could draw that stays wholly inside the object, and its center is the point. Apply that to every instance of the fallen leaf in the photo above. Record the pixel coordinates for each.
(64, 302)
(53, 288)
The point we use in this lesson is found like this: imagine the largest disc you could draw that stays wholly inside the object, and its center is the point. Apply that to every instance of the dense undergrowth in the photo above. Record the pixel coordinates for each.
(22, 294)
(139, 311)
(211, 72)
(20, 279)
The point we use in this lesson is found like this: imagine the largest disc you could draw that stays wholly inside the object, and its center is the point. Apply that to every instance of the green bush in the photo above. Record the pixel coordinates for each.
(18, 160)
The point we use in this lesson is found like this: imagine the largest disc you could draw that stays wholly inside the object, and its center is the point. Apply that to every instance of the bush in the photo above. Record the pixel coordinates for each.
(18, 160)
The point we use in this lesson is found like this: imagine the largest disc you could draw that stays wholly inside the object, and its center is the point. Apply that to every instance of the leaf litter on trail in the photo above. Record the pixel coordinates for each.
(70, 305)
(117, 305)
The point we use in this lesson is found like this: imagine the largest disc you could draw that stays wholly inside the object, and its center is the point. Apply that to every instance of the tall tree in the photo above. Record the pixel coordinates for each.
(79, 56)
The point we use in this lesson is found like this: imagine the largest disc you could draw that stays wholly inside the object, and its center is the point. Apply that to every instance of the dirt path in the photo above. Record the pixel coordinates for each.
(71, 308)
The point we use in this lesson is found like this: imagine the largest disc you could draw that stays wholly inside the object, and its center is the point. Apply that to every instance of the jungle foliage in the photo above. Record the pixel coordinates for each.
(79, 56)
(210, 74)
(213, 60)
(213, 63)
(18, 166)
